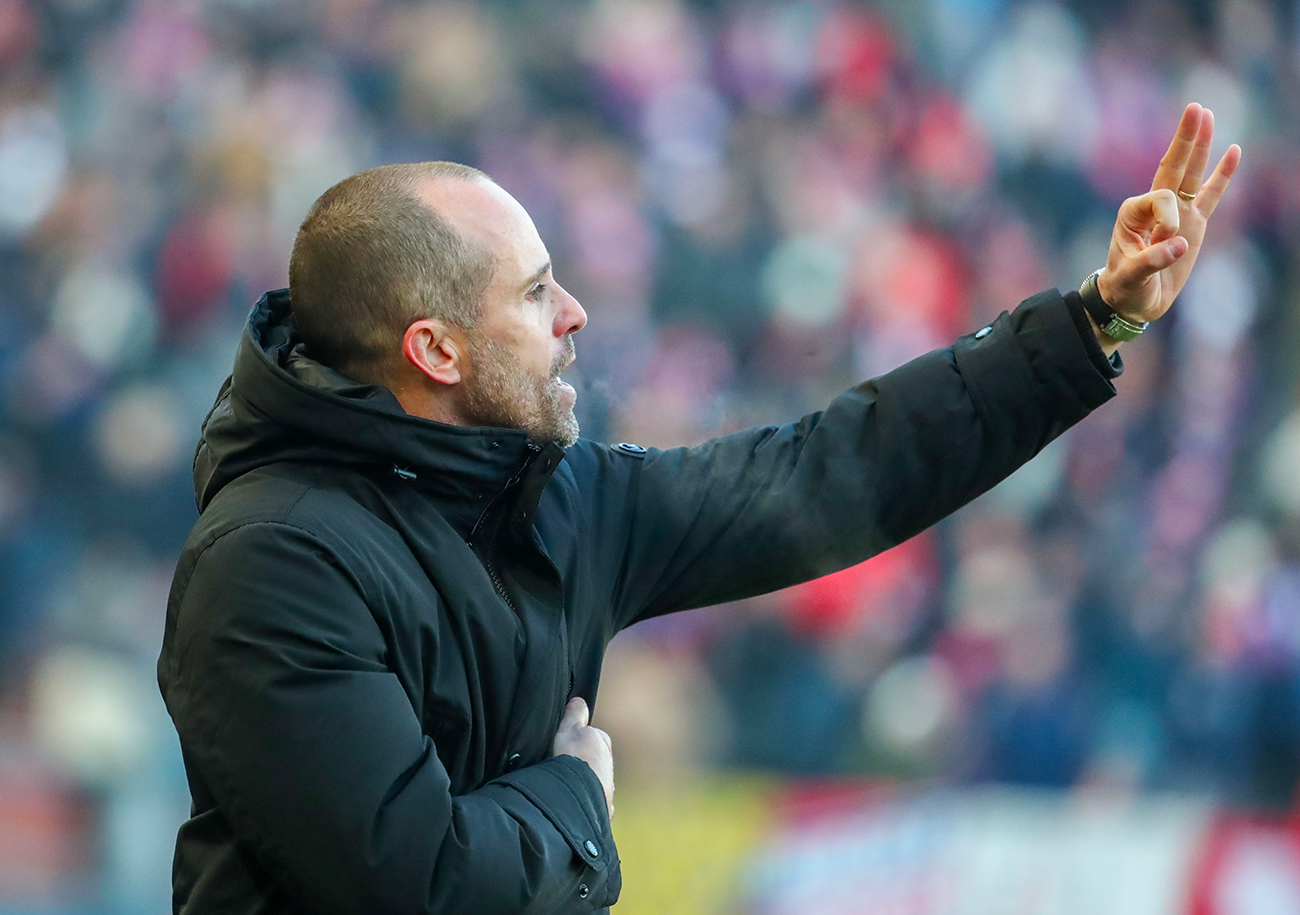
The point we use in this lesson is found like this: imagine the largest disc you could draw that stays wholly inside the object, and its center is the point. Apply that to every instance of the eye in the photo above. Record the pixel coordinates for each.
(536, 291)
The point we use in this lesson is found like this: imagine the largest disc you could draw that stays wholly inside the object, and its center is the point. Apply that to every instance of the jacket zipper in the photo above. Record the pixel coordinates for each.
(487, 551)
(492, 570)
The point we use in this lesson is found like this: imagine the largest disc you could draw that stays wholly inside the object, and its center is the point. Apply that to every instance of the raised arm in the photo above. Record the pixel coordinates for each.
(310, 747)
(767, 508)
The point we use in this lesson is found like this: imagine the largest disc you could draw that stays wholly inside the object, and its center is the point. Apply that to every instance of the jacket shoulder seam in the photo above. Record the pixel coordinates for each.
(315, 538)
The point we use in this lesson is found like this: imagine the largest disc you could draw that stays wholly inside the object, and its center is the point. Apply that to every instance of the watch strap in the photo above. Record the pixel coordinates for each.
(1112, 325)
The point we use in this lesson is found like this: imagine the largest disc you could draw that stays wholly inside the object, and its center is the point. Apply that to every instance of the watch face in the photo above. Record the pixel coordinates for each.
(1119, 329)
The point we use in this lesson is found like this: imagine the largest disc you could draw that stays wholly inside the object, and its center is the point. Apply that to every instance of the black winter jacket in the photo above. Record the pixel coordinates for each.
(377, 620)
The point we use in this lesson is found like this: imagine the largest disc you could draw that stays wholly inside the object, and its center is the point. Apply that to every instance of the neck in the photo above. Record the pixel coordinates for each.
(419, 401)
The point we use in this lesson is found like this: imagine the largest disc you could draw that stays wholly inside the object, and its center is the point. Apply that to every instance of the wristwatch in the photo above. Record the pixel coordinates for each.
(1111, 324)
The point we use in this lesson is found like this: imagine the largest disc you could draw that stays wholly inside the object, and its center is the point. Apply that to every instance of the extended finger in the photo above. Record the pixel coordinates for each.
(1170, 173)
(1212, 190)
(1200, 158)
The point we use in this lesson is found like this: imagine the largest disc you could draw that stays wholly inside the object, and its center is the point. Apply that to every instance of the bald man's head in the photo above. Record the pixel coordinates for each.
(372, 257)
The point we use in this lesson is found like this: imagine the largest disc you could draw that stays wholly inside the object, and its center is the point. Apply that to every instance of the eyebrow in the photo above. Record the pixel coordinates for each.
(546, 268)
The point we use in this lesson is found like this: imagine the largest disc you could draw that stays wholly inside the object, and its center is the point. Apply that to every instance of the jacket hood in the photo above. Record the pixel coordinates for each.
(278, 405)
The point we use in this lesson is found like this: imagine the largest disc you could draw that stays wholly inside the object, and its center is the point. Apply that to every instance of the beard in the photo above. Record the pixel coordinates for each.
(502, 393)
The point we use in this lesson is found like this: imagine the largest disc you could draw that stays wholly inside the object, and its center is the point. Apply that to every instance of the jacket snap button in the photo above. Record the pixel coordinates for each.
(591, 848)
(583, 891)
(983, 332)
(513, 762)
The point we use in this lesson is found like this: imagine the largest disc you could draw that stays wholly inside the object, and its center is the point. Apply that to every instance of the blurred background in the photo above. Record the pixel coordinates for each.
(1079, 694)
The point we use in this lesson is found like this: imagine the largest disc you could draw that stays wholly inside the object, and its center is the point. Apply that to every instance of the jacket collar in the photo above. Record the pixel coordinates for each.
(278, 405)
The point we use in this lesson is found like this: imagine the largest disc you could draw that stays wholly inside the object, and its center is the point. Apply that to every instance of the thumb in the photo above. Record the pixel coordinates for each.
(576, 713)
(1157, 257)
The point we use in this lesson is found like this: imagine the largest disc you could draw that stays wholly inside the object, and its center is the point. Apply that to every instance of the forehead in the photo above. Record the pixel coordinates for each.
(483, 211)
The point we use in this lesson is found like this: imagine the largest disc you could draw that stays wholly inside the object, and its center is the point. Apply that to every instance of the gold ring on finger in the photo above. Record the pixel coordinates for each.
(1183, 195)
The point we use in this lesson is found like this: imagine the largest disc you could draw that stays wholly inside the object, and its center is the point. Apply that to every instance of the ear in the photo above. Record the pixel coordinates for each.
(436, 349)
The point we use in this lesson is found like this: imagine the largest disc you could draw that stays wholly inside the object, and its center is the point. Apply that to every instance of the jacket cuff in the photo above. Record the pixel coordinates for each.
(1050, 338)
(570, 795)
(1110, 366)
(1036, 351)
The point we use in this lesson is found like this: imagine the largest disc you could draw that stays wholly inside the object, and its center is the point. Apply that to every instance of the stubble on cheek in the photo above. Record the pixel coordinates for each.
(502, 393)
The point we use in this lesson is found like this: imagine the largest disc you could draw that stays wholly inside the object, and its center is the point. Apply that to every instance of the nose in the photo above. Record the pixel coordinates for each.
(570, 316)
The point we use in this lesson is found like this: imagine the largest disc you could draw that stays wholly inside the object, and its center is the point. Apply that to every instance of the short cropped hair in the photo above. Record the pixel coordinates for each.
(371, 259)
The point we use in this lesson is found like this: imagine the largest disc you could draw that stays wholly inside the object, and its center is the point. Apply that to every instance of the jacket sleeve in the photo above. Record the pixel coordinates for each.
(766, 508)
(310, 746)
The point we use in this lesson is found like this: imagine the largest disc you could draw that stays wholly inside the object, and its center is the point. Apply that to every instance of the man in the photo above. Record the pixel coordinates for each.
(386, 624)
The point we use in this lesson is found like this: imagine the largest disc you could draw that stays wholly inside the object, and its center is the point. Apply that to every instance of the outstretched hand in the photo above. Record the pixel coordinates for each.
(1159, 234)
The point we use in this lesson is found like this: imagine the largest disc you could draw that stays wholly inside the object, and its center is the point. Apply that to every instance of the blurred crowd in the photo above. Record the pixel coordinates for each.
(759, 203)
